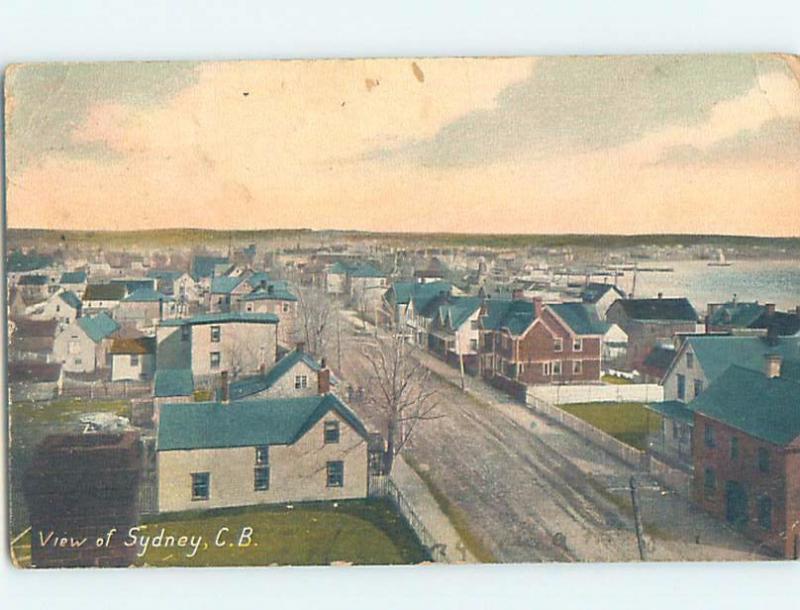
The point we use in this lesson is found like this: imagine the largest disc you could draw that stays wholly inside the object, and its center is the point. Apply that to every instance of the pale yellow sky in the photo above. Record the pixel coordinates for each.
(605, 145)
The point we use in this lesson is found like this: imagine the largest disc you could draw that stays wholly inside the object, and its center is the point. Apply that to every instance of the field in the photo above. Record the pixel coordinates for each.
(629, 422)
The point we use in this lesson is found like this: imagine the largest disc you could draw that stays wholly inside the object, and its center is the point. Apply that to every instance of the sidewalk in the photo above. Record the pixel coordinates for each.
(438, 524)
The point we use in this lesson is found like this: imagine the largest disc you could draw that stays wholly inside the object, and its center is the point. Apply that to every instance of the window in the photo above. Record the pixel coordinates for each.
(134, 359)
(547, 368)
(262, 455)
(215, 360)
(74, 347)
(473, 345)
(200, 485)
(577, 345)
(734, 447)
(186, 332)
(558, 344)
(249, 307)
(78, 361)
(698, 387)
(475, 324)
(689, 360)
(216, 332)
(709, 482)
(577, 367)
(763, 459)
(681, 387)
(261, 478)
(556, 367)
(285, 308)
(335, 474)
(300, 382)
(331, 432)
(708, 435)
(765, 512)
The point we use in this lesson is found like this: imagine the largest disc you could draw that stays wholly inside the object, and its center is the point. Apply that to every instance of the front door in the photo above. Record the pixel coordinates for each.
(735, 503)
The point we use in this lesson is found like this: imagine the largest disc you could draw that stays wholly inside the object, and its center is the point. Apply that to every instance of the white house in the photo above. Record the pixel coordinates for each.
(63, 306)
(133, 359)
(82, 346)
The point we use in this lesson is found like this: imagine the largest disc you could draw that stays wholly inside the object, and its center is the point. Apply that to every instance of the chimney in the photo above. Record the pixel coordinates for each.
(324, 378)
(300, 347)
(263, 284)
(517, 294)
(538, 306)
(262, 368)
(271, 289)
(772, 365)
(224, 386)
(770, 309)
(660, 295)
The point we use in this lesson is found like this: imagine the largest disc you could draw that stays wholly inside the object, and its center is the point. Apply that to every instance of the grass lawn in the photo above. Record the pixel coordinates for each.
(356, 531)
(629, 422)
(29, 413)
(614, 380)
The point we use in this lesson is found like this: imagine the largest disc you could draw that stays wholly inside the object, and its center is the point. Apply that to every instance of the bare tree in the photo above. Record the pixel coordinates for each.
(316, 314)
(400, 389)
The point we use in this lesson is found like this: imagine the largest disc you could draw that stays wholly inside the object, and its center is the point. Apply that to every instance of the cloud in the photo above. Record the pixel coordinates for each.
(45, 103)
(575, 105)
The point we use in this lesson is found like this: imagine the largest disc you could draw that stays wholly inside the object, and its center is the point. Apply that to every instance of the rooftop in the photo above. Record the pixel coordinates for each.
(135, 345)
(662, 309)
(222, 318)
(248, 386)
(98, 327)
(105, 292)
(173, 382)
(580, 317)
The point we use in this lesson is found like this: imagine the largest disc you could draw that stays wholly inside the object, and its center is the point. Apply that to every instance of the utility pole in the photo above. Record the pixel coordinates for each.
(637, 519)
(338, 343)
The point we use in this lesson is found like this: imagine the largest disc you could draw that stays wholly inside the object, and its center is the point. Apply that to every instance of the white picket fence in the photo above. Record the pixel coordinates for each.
(571, 394)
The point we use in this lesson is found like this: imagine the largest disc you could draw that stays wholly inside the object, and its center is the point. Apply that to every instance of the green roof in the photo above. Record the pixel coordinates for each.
(221, 318)
(580, 317)
(243, 388)
(33, 280)
(673, 409)
(716, 353)
(516, 315)
(457, 311)
(365, 270)
(745, 399)
(146, 295)
(203, 266)
(17, 261)
(594, 291)
(173, 382)
(225, 284)
(661, 309)
(98, 327)
(736, 314)
(404, 292)
(274, 291)
(338, 268)
(70, 298)
(73, 277)
(246, 423)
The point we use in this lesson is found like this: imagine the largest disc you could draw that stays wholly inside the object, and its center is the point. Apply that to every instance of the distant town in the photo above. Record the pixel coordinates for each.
(361, 398)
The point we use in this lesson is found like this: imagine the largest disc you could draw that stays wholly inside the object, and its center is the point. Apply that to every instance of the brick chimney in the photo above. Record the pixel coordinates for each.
(224, 386)
(300, 347)
(324, 378)
(538, 306)
(772, 365)
(769, 308)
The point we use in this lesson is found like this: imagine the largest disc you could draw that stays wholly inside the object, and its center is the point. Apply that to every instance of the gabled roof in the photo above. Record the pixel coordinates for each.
(716, 353)
(736, 314)
(274, 291)
(673, 409)
(70, 298)
(104, 292)
(749, 401)
(457, 311)
(225, 284)
(257, 278)
(173, 382)
(33, 280)
(146, 295)
(135, 345)
(248, 386)
(660, 358)
(580, 317)
(98, 327)
(33, 371)
(164, 274)
(35, 328)
(221, 318)
(781, 322)
(73, 277)
(515, 315)
(339, 268)
(663, 309)
(246, 423)
(594, 291)
(365, 270)
(403, 292)
(203, 266)
(18, 261)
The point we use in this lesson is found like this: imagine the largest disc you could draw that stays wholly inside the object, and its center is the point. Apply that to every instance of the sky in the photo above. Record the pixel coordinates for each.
(623, 145)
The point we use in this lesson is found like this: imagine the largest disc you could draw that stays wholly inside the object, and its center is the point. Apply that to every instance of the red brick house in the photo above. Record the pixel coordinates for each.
(746, 452)
(544, 344)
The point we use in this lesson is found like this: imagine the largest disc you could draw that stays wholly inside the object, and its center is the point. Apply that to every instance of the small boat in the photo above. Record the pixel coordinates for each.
(720, 262)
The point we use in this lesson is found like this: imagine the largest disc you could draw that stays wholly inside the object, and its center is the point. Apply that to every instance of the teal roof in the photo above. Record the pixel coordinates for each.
(17, 261)
(514, 315)
(580, 317)
(243, 388)
(365, 270)
(404, 292)
(33, 280)
(173, 382)
(457, 311)
(73, 277)
(246, 423)
(70, 298)
(164, 274)
(203, 266)
(225, 284)
(98, 327)
(716, 353)
(146, 295)
(745, 399)
(673, 409)
(339, 268)
(256, 278)
(736, 314)
(274, 291)
(221, 318)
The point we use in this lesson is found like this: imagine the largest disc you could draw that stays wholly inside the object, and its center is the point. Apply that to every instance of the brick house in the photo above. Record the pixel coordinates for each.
(649, 322)
(543, 344)
(746, 452)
